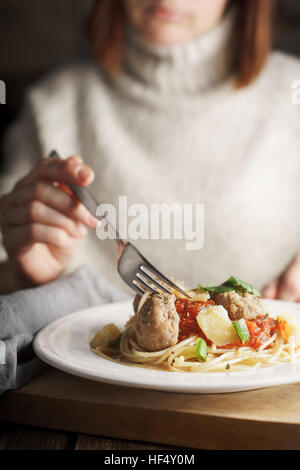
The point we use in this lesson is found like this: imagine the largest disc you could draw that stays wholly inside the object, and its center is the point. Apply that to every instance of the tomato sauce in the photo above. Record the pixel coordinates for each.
(188, 311)
(260, 329)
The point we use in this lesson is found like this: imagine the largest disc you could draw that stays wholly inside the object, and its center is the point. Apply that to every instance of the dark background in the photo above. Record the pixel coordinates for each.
(39, 35)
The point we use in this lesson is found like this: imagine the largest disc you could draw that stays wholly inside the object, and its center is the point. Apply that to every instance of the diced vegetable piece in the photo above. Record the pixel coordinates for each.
(199, 295)
(242, 330)
(216, 325)
(201, 349)
(103, 336)
(288, 326)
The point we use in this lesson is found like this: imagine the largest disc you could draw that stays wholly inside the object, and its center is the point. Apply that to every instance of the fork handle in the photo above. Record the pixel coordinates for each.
(88, 200)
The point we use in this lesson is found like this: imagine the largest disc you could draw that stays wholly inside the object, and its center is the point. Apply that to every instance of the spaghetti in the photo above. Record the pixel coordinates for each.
(181, 357)
(270, 342)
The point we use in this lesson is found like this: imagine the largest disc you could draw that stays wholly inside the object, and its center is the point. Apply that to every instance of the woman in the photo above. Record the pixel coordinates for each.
(184, 104)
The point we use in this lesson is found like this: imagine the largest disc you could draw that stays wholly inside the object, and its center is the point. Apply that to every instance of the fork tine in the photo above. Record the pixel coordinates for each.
(153, 280)
(138, 288)
(145, 284)
(151, 268)
(131, 261)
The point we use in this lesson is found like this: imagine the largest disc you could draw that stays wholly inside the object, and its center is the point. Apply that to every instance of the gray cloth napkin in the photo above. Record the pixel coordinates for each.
(24, 313)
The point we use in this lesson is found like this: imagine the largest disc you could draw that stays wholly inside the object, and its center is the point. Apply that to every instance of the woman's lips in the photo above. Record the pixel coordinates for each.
(166, 14)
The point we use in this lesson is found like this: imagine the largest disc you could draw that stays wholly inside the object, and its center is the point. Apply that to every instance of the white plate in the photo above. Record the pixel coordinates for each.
(64, 344)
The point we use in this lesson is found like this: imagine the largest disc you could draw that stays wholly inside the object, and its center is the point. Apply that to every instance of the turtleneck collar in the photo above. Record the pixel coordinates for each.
(183, 69)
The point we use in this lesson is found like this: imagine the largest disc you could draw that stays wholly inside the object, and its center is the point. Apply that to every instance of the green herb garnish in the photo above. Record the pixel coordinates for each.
(242, 329)
(232, 284)
(115, 343)
(215, 289)
(201, 349)
(227, 366)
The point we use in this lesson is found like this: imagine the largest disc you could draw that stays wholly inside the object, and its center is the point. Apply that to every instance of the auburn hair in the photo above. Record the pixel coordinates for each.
(106, 27)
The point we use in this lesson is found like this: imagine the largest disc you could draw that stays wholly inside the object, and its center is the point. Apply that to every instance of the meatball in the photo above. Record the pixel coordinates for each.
(157, 323)
(240, 305)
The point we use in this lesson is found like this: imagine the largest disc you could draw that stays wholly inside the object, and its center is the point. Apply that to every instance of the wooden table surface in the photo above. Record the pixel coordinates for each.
(17, 437)
(56, 410)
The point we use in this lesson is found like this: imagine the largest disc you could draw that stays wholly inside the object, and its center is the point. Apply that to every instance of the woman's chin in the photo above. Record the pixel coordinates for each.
(165, 35)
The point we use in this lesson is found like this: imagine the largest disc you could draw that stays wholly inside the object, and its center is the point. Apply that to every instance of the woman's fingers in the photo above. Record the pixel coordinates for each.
(42, 220)
(28, 234)
(38, 186)
(289, 282)
(51, 196)
(39, 212)
(69, 171)
(271, 290)
(286, 286)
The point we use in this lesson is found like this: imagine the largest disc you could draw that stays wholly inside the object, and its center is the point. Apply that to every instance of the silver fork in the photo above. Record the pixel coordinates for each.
(135, 270)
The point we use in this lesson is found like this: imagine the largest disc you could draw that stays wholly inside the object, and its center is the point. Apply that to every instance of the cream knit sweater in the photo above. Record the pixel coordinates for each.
(171, 128)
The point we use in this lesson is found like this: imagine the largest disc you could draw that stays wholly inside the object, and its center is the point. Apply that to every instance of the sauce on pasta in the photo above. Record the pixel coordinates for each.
(188, 311)
(260, 329)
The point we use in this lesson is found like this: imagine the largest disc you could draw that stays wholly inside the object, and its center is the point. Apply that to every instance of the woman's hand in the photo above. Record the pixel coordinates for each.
(41, 222)
(287, 285)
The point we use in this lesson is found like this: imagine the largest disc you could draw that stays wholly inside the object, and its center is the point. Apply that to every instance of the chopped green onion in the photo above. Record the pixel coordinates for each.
(115, 343)
(266, 315)
(227, 366)
(242, 329)
(201, 349)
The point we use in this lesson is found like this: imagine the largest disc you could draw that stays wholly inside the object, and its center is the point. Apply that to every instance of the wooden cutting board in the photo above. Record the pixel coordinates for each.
(260, 419)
